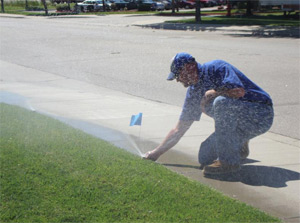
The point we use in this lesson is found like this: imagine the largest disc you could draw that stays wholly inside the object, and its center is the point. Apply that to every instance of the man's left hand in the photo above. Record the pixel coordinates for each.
(207, 98)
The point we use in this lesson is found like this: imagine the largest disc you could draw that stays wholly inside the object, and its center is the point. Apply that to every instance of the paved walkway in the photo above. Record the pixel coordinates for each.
(269, 179)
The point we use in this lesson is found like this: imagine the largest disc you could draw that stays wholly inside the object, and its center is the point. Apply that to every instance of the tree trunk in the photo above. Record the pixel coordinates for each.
(69, 6)
(2, 6)
(228, 9)
(198, 11)
(26, 4)
(45, 7)
(249, 8)
(77, 9)
(173, 6)
(103, 2)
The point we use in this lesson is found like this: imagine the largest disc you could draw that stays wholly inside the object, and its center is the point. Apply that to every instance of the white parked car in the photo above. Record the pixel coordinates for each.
(167, 3)
(159, 6)
(91, 5)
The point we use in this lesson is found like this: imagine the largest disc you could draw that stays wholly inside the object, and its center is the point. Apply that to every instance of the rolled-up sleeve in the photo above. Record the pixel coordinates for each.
(229, 78)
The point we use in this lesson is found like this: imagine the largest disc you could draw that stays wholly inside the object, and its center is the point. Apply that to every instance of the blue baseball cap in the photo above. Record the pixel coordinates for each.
(178, 61)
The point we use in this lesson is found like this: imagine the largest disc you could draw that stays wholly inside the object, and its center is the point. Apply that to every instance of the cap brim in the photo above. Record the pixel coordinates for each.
(171, 76)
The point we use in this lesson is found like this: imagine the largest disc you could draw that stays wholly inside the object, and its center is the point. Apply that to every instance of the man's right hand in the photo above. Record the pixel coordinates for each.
(171, 139)
(150, 156)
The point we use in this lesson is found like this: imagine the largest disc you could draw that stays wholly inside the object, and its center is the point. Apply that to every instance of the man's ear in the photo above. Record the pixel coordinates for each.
(191, 65)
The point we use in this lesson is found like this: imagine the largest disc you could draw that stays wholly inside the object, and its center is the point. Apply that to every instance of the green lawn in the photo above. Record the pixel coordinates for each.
(51, 172)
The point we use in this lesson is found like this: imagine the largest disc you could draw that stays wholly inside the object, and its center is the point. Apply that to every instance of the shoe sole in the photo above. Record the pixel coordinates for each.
(201, 167)
(220, 173)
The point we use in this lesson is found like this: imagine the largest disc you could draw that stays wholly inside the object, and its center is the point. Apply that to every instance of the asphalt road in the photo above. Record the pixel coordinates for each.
(112, 52)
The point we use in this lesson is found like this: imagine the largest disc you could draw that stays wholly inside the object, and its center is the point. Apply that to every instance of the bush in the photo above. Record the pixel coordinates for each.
(241, 5)
(21, 5)
(63, 7)
(34, 8)
(34, 4)
(113, 7)
(15, 3)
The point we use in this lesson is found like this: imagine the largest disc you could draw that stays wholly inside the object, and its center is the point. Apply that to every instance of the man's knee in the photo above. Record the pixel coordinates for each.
(207, 153)
(220, 101)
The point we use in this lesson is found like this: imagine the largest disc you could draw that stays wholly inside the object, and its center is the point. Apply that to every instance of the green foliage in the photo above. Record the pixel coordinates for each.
(19, 7)
(34, 8)
(113, 7)
(63, 7)
(33, 4)
(15, 3)
(51, 172)
(241, 5)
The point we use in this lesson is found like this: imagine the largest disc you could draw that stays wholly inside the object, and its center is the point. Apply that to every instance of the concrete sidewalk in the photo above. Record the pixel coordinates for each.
(269, 179)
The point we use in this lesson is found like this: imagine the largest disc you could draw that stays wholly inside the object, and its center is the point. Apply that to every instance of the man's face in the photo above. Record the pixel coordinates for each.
(188, 75)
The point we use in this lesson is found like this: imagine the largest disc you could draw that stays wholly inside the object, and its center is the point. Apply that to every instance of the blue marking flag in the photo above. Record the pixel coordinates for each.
(136, 119)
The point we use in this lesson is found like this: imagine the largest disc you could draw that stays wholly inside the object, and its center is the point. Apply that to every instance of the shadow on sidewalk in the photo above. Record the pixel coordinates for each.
(264, 32)
(260, 176)
(254, 175)
(241, 31)
(182, 166)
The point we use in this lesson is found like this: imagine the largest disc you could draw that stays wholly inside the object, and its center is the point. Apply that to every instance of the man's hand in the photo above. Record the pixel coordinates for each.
(207, 98)
(212, 94)
(171, 139)
(151, 155)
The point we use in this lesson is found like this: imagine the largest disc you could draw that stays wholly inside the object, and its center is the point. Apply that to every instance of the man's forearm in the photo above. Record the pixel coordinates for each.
(232, 93)
(171, 140)
(173, 137)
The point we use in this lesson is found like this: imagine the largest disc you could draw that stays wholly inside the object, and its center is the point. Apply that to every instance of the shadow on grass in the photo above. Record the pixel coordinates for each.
(260, 176)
